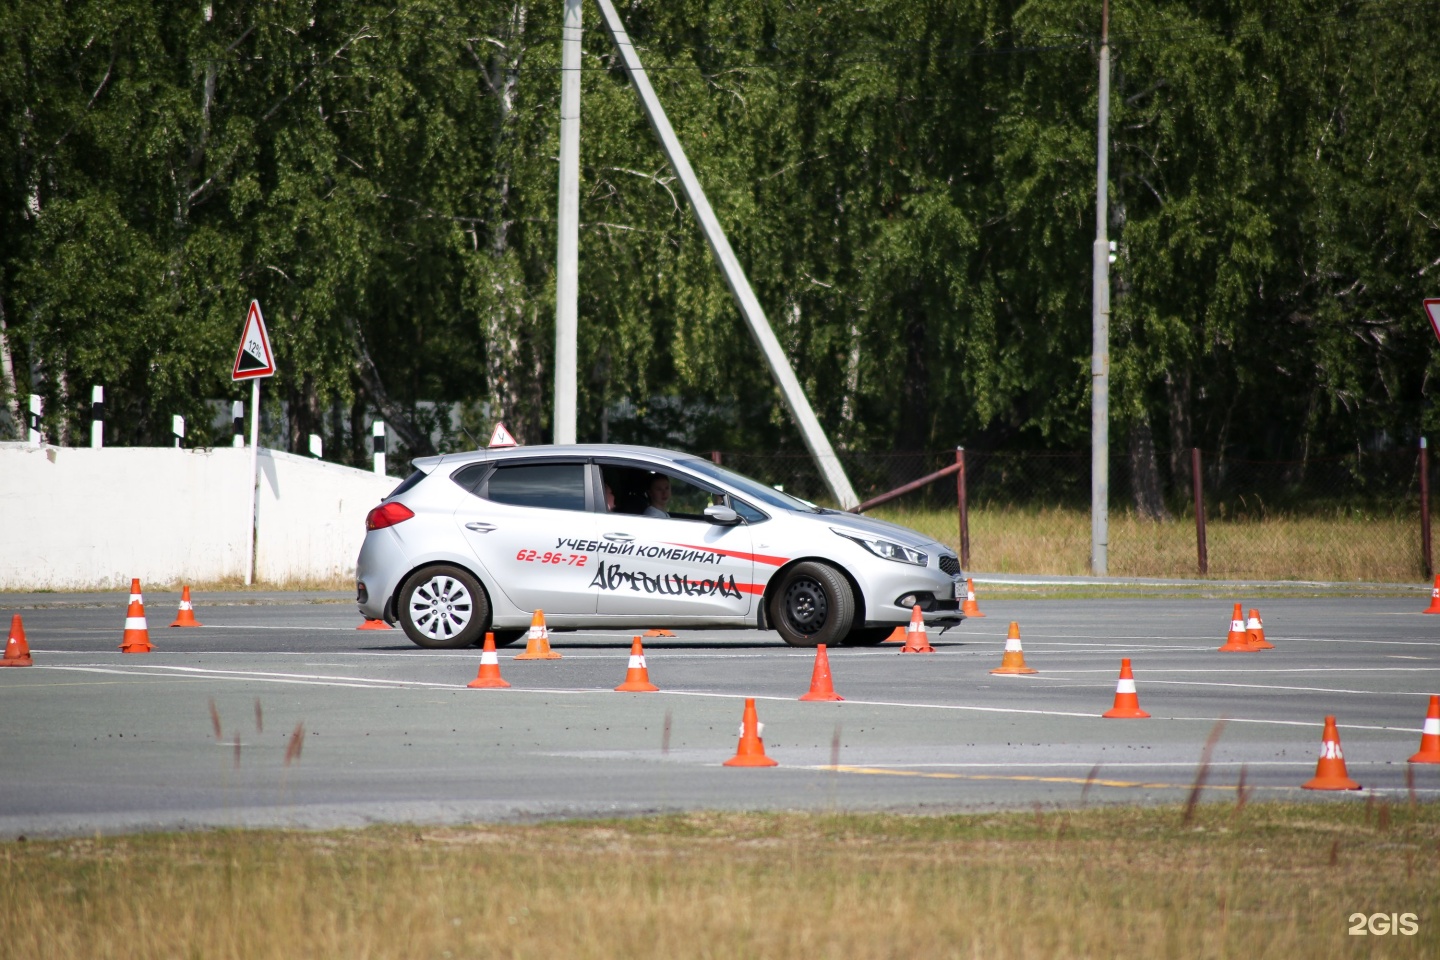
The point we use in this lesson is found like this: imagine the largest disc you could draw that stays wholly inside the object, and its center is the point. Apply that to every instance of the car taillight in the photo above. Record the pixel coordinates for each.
(387, 515)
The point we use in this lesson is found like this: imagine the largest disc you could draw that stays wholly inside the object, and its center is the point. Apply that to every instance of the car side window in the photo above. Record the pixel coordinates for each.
(747, 513)
(548, 486)
(654, 493)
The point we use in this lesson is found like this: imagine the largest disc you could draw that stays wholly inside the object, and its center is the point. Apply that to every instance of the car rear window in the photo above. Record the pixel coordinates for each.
(406, 484)
(551, 486)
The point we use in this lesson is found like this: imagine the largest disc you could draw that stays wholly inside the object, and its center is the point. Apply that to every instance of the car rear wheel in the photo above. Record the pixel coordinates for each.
(443, 607)
(812, 605)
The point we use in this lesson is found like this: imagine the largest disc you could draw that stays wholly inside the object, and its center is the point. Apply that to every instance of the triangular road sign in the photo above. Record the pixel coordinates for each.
(502, 438)
(254, 358)
(1432, 310)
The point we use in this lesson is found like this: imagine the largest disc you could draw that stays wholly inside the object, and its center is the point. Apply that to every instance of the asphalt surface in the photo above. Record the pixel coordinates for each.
(95, 740)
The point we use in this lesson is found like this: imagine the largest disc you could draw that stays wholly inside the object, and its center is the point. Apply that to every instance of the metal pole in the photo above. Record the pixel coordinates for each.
(1425, 510)
(964, 509)
(567, 254)
(252, 527)
(1100, 325)
(795, 400)
(1202, 553)
(97, 417)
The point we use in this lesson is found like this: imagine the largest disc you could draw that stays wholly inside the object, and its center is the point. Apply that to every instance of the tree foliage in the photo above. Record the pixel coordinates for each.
(910, 184)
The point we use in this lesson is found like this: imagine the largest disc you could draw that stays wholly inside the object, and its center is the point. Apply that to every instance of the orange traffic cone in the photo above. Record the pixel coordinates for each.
(821, 687)
(1330, 770)
(538, 646)
(186, 616)
(135, 596)
(1429, 736)
(1255, 631)
(1434, 597)
(374, 625)
(1237, 640)
(896, 636)
(489, 675)
(17, 651)
(637, 677)
(656, 632)
(916, 639)
(970, 608)
(1013, 662)
(137, 633)
(1127, 702)
(751, 750)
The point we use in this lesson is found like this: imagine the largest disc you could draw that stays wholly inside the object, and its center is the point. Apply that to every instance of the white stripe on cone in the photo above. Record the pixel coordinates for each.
(1330, 750)
(1125, 686)
(1237, 626)
(1253, 623)
(637, 663)
(135, 623)
(1012, 645)
(186, 605)
(1432, 727)
(489, 656)
(536, 632)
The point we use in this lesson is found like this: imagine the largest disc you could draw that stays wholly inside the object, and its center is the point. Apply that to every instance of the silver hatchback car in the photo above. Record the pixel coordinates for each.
(600, 536)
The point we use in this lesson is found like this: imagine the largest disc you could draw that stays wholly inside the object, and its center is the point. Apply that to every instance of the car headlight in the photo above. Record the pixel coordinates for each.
(886, 549)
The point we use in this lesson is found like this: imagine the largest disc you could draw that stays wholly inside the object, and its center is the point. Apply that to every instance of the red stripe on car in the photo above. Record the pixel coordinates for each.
(756, 557)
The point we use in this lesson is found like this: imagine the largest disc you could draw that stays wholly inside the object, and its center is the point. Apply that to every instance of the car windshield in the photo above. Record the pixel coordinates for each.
(752, 488)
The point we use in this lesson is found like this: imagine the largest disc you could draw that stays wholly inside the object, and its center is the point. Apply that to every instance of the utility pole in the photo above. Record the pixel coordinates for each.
(1100, 324)
(567, 256)
(750, 310)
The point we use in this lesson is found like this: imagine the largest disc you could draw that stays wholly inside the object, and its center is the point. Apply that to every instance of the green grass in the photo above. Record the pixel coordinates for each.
(1110, 882)
(1342, 546)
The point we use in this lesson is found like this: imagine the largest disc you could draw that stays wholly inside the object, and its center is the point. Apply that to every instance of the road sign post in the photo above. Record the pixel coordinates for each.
(253, 361)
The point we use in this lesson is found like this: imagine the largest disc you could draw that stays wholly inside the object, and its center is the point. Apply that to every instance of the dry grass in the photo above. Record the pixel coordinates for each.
(1057, 541)
(1117, 882)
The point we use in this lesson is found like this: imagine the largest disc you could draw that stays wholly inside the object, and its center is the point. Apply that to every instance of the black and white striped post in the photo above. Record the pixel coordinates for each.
(378, 431)
(32, 420)
(97, 417)
(237, 418)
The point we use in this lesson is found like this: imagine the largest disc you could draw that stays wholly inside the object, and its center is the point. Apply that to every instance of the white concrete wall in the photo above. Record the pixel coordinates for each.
(77, 518)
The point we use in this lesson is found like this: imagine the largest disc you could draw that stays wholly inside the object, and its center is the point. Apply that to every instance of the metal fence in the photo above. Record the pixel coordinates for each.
(1356, 517)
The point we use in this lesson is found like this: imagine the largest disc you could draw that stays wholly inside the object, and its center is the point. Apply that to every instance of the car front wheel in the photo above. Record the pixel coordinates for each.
(812, 605)
(443, 607)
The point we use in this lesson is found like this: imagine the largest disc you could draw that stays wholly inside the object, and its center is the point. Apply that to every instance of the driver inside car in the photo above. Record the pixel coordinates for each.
(659, 497)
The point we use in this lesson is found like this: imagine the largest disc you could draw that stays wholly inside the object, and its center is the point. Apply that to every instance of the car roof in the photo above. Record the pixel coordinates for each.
(428, 464)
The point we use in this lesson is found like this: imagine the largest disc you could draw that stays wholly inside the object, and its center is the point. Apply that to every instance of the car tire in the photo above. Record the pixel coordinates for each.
(813, 604)
(443, 607)
(868, 636)
(503, 638)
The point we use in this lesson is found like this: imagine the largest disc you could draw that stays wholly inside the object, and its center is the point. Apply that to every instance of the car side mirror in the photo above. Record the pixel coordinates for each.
(716, 513)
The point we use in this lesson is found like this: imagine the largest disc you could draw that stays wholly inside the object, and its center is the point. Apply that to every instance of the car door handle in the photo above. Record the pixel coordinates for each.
(623, 537)
(479, 527)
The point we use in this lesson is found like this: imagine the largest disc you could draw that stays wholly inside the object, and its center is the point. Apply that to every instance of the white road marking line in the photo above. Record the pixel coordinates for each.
(1107, 765)
(320, 680)
(196, 673)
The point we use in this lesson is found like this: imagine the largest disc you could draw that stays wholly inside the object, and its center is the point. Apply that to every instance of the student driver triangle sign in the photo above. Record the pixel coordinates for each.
(254, 358)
